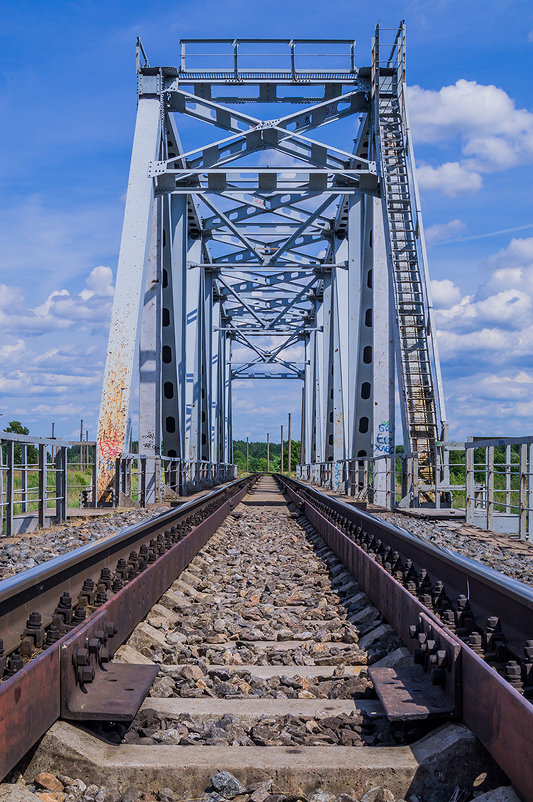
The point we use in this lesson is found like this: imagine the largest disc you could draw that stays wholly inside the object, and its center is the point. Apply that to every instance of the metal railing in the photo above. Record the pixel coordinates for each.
(44, 480)
(40, 478)
(180, 477)
(490, 480)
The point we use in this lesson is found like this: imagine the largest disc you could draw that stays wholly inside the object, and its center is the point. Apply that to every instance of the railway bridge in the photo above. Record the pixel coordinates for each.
(333, 636)
(297, 223)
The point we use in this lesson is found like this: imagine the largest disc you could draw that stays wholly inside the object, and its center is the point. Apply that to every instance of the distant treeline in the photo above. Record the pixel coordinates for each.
(258, 455)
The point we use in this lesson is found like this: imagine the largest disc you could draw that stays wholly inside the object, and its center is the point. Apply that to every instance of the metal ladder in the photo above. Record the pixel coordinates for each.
(416, 379)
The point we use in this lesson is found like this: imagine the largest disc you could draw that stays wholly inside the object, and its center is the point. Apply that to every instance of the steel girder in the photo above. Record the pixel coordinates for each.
(271, 243)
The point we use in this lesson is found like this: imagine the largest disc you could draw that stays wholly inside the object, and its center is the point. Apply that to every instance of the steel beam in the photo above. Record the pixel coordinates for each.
(129, 284)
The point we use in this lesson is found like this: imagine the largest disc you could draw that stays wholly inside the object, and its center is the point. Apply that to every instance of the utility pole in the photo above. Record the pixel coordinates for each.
(86, 448)
(81, 445)
(53, 438)
(290, 443)
(268, 453)
(247, 455)
(281, 466)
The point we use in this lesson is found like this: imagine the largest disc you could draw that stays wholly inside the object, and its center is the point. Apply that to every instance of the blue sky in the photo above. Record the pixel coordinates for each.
(67, 102)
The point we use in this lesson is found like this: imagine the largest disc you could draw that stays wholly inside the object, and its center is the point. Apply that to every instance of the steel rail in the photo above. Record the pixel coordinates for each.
(487, 703)
(55, 682)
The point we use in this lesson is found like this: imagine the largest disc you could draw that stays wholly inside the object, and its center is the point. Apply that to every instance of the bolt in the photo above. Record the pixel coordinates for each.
(52, 634)
(86, 674)
(14, 664)
(513, 674)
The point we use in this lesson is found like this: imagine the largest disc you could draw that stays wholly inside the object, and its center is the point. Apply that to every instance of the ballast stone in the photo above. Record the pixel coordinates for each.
(227, 785)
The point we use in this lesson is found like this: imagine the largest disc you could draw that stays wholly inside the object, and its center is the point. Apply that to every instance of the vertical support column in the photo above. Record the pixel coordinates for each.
(193, 355)
(268, 452)
(364, 354)
(247, 450)
(206, 387)
(228, 410)
(222, 372)
(150, 363)
(173, 280)
(281, 463)
(123, 332)
(333, 401)
(215, 384)
(383, 358)
(353, 313)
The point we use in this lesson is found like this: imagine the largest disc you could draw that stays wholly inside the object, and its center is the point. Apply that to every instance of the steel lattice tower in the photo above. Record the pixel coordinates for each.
(268, 238)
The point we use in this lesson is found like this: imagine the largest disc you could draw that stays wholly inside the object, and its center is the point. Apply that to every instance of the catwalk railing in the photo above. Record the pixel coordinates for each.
(490, 480)
(44, 480)
(40, 478)
(173, 478)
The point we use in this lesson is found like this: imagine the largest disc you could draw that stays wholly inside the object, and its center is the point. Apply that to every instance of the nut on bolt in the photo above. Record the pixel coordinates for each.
(81, 657)
(85, 674)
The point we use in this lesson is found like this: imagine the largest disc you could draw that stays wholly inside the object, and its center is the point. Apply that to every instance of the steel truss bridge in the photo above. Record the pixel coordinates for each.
(290, 232)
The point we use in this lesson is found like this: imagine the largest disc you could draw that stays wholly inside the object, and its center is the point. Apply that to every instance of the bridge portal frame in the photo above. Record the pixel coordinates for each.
(324, 249)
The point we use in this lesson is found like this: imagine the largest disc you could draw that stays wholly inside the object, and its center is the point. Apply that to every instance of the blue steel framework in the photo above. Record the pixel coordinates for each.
(269, 239)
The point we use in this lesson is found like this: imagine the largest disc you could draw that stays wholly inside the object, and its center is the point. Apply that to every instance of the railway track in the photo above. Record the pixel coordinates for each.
(287, 631)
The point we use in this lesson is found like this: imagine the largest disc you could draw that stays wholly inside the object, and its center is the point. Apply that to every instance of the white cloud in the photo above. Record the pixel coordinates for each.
(452, 178)
(443, 232)
(493, 133)
(495, 323)
(444, 293)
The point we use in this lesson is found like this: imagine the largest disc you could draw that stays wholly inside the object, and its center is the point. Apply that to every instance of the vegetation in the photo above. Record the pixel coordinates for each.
(258, 456)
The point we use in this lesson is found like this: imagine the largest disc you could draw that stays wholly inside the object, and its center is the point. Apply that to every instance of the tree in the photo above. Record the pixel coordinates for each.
(16, 427)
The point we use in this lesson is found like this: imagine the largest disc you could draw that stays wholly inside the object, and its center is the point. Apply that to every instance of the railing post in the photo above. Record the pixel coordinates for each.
(508, 466)
(416, 482)
(142, 496)
(522, 493)
(469, 485)
(530, 496)
(1, 488)
(116, 493)
(93, 476)
(42, 485)
(61, 484)
(24, 477)
(10, 485)
(490, 486)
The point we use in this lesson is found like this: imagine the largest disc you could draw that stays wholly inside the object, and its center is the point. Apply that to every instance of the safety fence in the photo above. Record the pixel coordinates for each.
(489, 480)
(46, 480)
(147, 480)
(41, 478)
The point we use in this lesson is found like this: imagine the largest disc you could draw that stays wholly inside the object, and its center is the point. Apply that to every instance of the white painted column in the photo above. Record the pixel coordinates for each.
(150, 365)
(129, 285)
(383, 358)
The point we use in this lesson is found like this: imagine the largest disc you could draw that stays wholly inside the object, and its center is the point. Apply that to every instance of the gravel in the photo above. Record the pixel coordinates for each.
(224, 786)
(496, 551)
(30, 550)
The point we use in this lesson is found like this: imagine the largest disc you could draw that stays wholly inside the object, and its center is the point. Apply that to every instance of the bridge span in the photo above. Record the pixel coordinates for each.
(360, 631)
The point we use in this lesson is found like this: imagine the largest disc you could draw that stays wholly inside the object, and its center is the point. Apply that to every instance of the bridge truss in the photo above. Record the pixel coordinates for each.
(294, 240)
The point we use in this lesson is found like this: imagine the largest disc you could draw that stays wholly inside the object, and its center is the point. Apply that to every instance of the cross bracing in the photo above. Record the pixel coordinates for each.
(272, 245)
